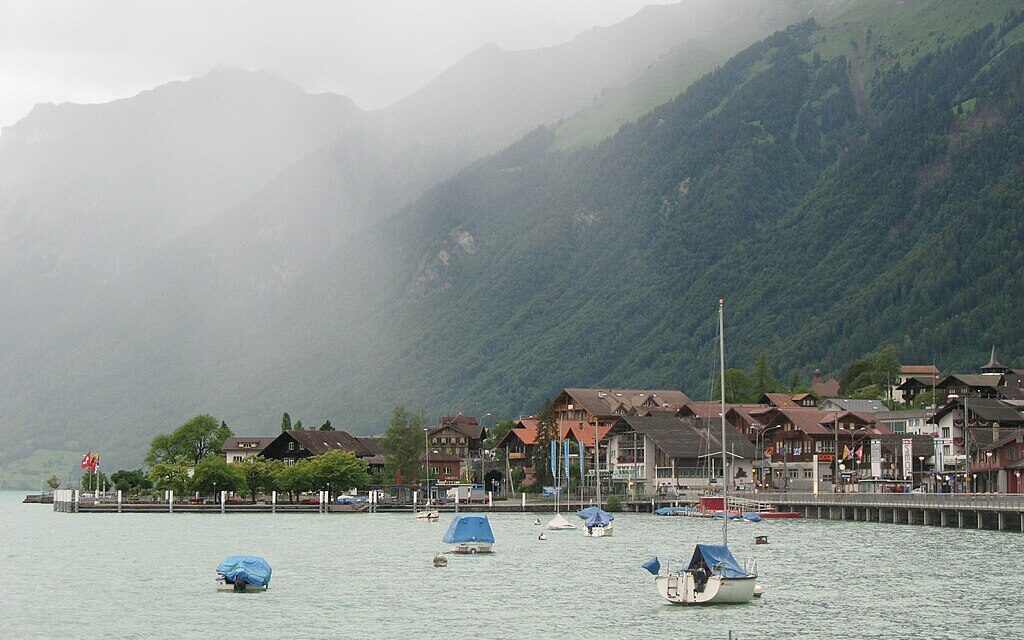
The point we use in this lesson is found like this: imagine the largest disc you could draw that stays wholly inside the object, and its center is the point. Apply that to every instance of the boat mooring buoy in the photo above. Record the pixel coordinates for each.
(440, 560)
(536, 521)
(542, 537)
(761, 540)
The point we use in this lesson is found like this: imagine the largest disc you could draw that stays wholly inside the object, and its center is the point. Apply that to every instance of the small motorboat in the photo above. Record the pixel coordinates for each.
(440, 560)
(751, 516)
(428, 515)
(712, 577)
(243, 573)
(559, 523)
(470, 533)
(536, 521)
(598, 524)
(758, 590)
(761, 540)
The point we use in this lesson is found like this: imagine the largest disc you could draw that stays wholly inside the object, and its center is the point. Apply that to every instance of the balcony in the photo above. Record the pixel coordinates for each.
(516, 455)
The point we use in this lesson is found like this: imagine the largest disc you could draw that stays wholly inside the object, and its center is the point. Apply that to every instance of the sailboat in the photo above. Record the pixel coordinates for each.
(558, 523)
(713, 576)
(428, 514)
(597, 521)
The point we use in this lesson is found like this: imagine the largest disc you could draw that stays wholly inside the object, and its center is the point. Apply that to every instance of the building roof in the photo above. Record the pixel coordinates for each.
(609, 403)
(1005, 437)
(318, 442)
(466, 425)
(687, 437)
(914, 382)
(233, 442)
(440, 457)
(902, 414)
(856, 404)
(986, 410)
(824, 387)
(970, 379)
(820, 422)
(781, 400)
(919, 370)
(994, 366)
(371, 444)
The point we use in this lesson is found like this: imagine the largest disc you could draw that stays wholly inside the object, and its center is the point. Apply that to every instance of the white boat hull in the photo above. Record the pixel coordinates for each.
(428, 516)
(224, 585)
(467, 548)
(598, 532)
(681, 589)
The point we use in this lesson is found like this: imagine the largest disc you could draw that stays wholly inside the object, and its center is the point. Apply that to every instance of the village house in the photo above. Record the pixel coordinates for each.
(792, 437)
(664, 454)
(788, 400)
(908, 421)
(519, 445)
(238, 448)
(986, 418)
(292, 445)
(862, 405)
(739, 415)
(998, 466)
(824, 388)
(460, 436)
(913, 380)
(603, 407)
(994, 381)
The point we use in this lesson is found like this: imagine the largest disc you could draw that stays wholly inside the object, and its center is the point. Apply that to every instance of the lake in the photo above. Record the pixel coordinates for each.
(370, 576)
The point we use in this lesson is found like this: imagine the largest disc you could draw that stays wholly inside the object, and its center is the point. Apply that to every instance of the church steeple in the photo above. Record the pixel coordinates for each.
(994, 366)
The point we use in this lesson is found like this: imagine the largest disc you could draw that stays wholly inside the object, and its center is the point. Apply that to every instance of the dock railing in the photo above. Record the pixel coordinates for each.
(983, 501)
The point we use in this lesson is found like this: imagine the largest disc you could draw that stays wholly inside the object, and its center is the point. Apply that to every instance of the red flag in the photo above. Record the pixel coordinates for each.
(860, 453)
(95, 462)
(87, 460)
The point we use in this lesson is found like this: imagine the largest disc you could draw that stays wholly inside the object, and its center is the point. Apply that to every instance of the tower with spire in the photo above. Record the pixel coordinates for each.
(994, 366)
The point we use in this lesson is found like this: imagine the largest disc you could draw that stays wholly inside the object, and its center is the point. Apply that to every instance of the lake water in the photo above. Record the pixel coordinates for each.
(370, 576)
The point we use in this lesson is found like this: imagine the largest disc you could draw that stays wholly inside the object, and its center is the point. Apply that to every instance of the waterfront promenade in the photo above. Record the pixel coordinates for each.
(962, 510)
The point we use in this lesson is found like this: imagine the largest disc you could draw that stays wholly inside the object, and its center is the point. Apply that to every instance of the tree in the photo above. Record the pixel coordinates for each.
(738, 387)
(326, 426)
(518, 473)
(191, 442)
(298, 426)
(764, 381)
(794, 382)
(402, 445)
(131, 482)
(169, 476)
(338, 470)
(286, 422)
(547, 431)
(53, 482)
(294, 478)
(498, 432)
(215, 474)
(260, 474)
(93, 481)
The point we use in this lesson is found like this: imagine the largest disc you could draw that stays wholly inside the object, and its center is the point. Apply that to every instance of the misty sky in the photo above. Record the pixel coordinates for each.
(375, 51)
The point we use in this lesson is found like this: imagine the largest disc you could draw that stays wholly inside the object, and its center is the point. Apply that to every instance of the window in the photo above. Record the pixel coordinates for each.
(447, 469)
(899, 426)
(291, 446)
(946, 450)
(462, 441)
(237, 458)
(808, 473)
(289, 462)
(945, 432)
(793, 473)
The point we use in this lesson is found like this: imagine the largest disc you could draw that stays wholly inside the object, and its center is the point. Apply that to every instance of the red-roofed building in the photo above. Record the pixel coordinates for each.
(520, 443)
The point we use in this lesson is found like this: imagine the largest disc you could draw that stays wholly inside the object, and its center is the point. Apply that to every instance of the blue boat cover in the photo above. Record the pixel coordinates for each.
(752, 516)
(248, 569)
(345, 500)
(598, 519)
(469, 528)
(732, 516)
(718, 560)
(667, 511)
(653, 565)
(589, 511)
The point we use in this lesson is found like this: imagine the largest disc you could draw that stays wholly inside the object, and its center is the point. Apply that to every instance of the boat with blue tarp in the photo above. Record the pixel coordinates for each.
(243, 573)
(591, 510)
(712, 577)
(470, 533)
(598, 524)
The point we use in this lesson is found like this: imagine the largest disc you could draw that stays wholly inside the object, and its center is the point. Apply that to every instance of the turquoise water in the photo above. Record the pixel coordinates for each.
(370, 576)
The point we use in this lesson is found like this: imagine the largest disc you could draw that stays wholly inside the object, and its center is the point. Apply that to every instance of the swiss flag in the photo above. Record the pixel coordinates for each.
(87, 460)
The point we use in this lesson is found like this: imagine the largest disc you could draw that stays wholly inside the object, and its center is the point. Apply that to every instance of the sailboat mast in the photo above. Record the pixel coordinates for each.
(725, 468)
(597, 466)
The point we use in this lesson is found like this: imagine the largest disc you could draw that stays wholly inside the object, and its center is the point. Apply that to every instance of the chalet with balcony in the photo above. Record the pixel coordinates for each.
(459, 435)
(788, 400)
(739, 415)
(292, 445)
(664, 454)
(998, 466)
(913, 380)
(986, 418)
(520, 443)
(603, 407)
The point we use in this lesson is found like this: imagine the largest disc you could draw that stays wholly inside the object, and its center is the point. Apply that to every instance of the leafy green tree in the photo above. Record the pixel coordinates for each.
(547, 431)
(613, 504)
(298, 426)
(192, 441)
(326, 426)
(131, 482)
(738, 387)
(794, 382)
(517, 478)
(295, 478)
(402, 445)
(286, 422)
(338, 470)
(215, 474)
(498, 432)
(53, 482)
(169, 476)
(260, 474)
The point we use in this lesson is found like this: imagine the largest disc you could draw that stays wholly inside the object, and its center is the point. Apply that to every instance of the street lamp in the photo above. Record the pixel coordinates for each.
(1017, 473)
(988, 461)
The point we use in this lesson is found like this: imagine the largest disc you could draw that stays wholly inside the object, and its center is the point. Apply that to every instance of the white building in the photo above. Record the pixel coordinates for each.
(238, 448)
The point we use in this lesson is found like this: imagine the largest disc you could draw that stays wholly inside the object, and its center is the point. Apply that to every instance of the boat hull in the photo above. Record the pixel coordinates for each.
(428, 516)
(680, 589)
(470, 548)
(224, 585)
(598, 532)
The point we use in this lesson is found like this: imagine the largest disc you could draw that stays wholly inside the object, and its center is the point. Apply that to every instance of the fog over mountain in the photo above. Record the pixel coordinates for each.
(234, 244)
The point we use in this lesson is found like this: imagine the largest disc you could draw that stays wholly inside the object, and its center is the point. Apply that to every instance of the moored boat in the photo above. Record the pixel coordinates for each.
(559, 523)
(470, 533)
(712, 577)
(598, 524)
(243, 573)
(428, 515)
